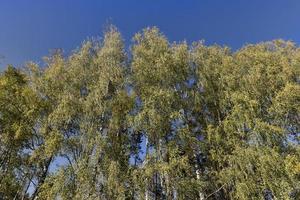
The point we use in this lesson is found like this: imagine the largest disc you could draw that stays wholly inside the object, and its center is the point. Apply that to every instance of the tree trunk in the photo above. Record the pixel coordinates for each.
(42, 178)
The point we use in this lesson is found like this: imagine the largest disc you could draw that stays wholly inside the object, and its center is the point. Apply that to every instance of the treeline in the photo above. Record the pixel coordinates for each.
(163, 121)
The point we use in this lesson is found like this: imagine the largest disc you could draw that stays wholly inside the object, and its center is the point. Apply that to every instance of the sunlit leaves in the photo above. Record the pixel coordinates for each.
(161, 121)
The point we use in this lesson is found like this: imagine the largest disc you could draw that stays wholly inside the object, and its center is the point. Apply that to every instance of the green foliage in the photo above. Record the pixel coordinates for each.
(165, 121)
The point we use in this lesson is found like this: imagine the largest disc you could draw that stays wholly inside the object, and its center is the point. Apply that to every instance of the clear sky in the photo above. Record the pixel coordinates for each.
(30, 28)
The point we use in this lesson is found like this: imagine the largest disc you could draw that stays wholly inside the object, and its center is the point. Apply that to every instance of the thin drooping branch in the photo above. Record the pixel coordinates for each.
(216, 191)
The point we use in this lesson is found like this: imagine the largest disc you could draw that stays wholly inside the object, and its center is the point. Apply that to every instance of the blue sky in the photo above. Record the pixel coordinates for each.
(30, 28)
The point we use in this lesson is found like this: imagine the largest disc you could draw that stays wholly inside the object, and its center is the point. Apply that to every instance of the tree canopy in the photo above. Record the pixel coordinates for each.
(164, 120)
